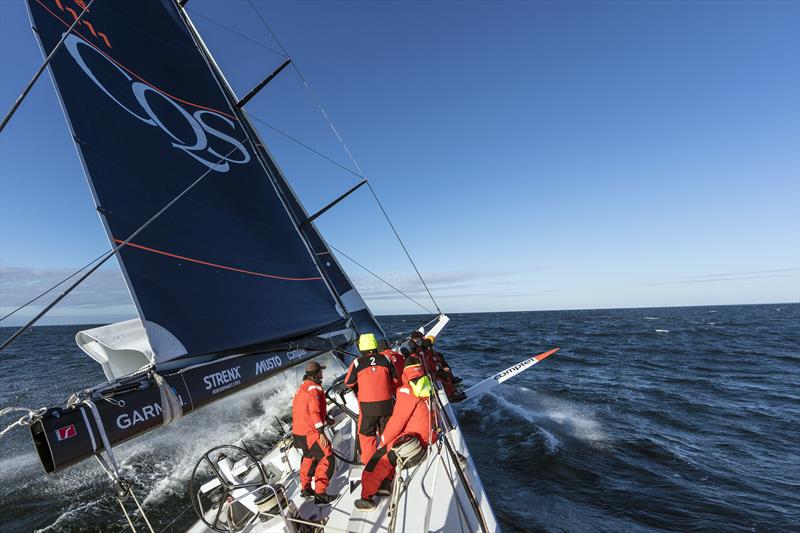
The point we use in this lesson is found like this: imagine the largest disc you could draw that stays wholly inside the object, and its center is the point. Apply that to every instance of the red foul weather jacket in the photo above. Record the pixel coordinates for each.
(308, 408)
(412, 414)
(373, 378)
(397, 360)
(429, 359)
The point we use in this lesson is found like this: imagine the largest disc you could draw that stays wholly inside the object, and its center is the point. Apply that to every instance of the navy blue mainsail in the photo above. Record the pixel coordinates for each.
(226, 267)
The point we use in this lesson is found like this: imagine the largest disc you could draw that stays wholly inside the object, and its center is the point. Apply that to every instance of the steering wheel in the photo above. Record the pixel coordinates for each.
(227, 466)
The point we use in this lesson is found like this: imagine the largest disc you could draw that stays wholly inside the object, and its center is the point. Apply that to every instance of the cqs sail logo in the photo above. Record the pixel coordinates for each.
(192, 137)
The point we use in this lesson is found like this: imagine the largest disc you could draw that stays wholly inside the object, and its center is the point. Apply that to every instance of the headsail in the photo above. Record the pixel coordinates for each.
(226, 267)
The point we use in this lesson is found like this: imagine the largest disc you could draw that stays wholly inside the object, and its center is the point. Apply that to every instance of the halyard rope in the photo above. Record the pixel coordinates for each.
(243, 36)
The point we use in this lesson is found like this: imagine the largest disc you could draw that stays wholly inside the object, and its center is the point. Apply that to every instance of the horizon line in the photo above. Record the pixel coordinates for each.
(484, 312)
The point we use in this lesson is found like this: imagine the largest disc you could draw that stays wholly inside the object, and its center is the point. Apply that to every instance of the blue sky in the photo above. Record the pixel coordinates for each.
(533, 155)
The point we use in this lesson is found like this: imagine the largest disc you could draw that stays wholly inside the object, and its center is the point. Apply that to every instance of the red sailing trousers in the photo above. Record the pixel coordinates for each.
(318, 462)
(369, 427)
(380, 467)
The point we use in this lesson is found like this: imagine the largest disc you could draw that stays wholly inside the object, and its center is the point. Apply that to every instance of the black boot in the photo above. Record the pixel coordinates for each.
(307, 493)
(386, 488)
(458, 397)
(323, 499)
(365, 504)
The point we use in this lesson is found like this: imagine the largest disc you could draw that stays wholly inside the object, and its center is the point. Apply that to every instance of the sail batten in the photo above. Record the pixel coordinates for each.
(224, 268)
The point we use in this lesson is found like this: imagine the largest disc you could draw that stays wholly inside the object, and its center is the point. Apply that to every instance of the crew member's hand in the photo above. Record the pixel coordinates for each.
(323, 440)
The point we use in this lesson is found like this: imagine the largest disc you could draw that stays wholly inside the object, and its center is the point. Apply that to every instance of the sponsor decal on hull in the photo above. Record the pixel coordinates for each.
(143, 411)
(224, 379)
(296, 354)
(270, 363)
(500, 375)
(143, 414)
(67, 432)
(137, 416)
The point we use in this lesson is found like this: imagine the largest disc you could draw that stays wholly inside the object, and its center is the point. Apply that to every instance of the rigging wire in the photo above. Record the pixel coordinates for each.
(318, 103)
(26, 304)
(111, 253)
(242, 35)
(389, 220)
(301, 143)
(46, 62)
(311, 93)
(175, 519)
(380, 278)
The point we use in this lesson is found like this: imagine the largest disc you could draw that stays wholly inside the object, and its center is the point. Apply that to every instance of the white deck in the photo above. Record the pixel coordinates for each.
(435, 498)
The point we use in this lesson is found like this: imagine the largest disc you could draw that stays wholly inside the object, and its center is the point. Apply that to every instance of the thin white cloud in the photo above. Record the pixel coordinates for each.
(103, 297)
(733, 276)
(443, 285)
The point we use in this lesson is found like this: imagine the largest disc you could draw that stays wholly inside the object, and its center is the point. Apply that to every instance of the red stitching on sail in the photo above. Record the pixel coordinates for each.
(215, 265)
(132, 72)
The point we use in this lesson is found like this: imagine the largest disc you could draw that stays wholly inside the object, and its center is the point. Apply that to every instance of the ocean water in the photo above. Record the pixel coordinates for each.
(647, 419)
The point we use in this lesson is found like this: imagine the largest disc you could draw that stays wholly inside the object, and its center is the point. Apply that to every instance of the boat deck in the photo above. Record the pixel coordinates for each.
(434, 497)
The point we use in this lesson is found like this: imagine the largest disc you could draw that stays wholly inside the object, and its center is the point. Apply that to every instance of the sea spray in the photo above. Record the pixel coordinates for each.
(557, 416)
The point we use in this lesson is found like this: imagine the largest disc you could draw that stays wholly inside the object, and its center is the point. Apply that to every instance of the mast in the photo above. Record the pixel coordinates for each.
(347, 296)
(264, 158)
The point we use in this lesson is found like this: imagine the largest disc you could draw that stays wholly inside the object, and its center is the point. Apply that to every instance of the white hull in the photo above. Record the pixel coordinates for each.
(435, 498)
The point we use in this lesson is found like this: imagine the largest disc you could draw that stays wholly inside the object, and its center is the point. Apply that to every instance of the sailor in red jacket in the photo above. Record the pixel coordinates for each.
(397, 358)
(373, 378)
(438, 368)
(412, 417)
(309, 414)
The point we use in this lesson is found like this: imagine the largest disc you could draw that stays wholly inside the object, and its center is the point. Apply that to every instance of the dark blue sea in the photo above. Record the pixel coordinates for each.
(660, 419)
